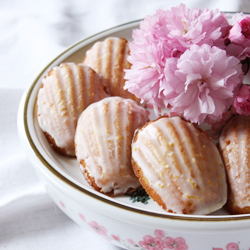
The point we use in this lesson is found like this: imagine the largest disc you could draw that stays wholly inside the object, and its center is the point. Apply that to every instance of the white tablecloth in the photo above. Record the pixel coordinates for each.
(32, 33)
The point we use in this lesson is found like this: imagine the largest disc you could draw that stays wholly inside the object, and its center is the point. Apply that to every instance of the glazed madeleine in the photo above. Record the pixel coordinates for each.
(234, 144)
(109, 58)
(65, 92)
(179, 166)
(103, 144)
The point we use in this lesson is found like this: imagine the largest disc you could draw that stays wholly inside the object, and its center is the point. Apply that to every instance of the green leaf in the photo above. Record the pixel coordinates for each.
(139, 195)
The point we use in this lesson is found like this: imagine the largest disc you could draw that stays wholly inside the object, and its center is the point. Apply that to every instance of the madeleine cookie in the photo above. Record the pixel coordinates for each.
(65, 92)
(234, 144)
(103, 144)
(109, 58)
(179, 166)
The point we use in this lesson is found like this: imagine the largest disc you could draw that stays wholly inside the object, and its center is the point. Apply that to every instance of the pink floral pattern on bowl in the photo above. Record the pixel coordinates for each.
(157, 242)
(160, 241)
(230, 246)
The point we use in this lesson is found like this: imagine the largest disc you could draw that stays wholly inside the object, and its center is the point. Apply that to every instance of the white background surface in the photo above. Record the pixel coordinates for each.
(32, 33)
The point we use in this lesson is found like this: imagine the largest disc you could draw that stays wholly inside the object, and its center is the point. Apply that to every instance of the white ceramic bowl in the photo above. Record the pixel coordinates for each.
(119, 220)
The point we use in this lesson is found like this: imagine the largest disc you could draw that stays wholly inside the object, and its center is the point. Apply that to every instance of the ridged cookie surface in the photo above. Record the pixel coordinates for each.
(103, 144)
(234, 143)
(65, 92)
(109, 58)
(179, 166)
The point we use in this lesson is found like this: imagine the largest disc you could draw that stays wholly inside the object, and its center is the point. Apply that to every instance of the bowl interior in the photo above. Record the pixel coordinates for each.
(68, 167)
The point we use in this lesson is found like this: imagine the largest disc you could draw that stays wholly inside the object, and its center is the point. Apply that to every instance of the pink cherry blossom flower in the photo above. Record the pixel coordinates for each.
(178, 28)
(194, 26)
(239, 36)
(242, 100)
(145, 83)
(97, 228)
(164, 35)
(201, 83)
(189, 59)
(240, 32)
(232, 246)
(177, 244)
(151, 243)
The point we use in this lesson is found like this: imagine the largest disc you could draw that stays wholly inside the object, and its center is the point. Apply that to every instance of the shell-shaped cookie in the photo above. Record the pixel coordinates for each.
(103, 144)
(234, 144)
(179, 166)
(65, 92)
(109, 58)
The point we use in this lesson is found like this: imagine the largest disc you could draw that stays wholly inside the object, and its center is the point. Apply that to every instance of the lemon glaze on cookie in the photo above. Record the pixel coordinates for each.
(65, 92)
(179, 166)
(103, 144)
